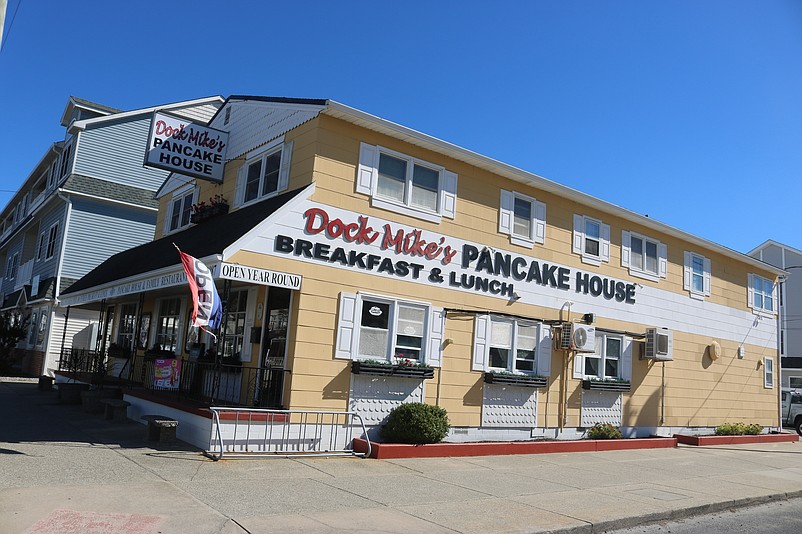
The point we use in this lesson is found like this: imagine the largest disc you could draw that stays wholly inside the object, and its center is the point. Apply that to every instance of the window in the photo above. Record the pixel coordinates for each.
(761, 294)
(644, 257)
(379, 328)
(523, 218)
(235, 327)
(696, 279)
(40, 246)
(52, 176)
(168, 324)
(40, 337)
(611, 359)
(795, 382)
(180, 209)
(32, 326)
(127, 326)
(768, 373)
(65, 161)
(591, 240)
(11, 266)
(406, 185)
(511, 345)
(264, 174)
(51, 242)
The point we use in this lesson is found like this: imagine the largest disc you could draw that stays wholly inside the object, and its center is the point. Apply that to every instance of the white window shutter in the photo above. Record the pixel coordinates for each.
(707, 276)
(505, 212)
(167, 218)
(544, 350)
(346, 327)
(662, 253)
(774, 301)
(686, 271)
(239, 194)
(437, 319)
(579, 232)
(481, 340)
(367, 170)
(579, 365)
(605, 242)
(448, 195)
(625, 248)
(626, 359)
(540, 222)
(284, 169)
(750, 291)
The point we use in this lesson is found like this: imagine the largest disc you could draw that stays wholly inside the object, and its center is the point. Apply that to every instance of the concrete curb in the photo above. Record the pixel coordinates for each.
(680, 513)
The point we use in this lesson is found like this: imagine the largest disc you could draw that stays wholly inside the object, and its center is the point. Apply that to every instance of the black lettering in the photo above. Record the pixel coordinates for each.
(386, 266)
(303, 248)
(562, 278)
(469, 253)
(595, 286)
(356, 259)
(485, 262)
(339, 256)
(534, 273)
(517, 266)
(283, 244)
(620, 292)
(502, 262)
(321, 251)
(581, 283)
(548, 275)
(630, 294)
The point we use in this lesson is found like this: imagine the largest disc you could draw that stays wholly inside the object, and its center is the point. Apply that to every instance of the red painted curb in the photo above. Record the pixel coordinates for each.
(703, 441)
(386, 451)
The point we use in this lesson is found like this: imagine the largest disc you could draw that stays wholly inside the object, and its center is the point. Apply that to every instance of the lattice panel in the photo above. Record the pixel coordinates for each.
(373, 397)
(509, 406)
(600, 407)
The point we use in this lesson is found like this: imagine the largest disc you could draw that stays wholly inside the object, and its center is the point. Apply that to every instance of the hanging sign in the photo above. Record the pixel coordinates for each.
(183, 147)
(264, 277)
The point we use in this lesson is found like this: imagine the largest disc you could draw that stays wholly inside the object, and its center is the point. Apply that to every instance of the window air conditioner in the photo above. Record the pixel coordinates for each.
(578, 337)
(659, 345)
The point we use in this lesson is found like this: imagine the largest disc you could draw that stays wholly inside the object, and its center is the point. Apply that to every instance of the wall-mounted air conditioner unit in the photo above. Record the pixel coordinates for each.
(578, 337)
(659, 344)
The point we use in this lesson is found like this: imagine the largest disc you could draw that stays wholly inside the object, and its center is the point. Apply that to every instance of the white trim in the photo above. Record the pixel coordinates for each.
(67, 218)
(106, 200)
(372, 122)
(768, 362)
(82, 124)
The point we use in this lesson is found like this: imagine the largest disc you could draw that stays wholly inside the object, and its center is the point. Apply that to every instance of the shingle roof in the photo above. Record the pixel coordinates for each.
(205, 239)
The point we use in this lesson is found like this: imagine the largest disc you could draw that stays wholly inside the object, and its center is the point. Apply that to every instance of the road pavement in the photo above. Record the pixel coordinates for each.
(63, 471)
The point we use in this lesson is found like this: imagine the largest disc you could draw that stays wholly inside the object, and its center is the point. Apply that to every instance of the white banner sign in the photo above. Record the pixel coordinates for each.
(183, 147)
(243, 273)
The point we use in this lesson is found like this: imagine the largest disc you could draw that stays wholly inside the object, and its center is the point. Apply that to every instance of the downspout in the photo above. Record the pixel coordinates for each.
(57, 288)
(779, 366)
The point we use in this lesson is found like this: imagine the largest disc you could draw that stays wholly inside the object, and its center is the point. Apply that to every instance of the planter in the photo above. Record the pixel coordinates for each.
(735, 440)
(600, 385)
(399, 371)
(385, 451)
(526, 381)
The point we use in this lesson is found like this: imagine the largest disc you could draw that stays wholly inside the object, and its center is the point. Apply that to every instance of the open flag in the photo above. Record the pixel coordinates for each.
(208, 310)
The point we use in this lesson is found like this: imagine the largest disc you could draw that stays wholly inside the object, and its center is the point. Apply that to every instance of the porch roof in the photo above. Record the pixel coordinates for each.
(201, 240)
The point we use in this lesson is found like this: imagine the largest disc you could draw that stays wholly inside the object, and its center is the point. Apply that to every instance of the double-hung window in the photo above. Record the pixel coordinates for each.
(523, 218)
(168, 324)
(404, 184)
(503, 344)
(52, 234)
(237, 306)
(611, 359)
(768, 372)
(127, 327)
(643, 256)
(264, 173)
(180, 209)
(387, 329)
(761, 294)
(591, 240)
(11, 266)
(696, 278)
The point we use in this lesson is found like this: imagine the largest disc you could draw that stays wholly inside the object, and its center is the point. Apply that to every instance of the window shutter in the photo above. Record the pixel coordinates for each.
(448, 195)
(505, 212)
(605, 242)
(625, 248)
(662, 252)
(437, 319)
(368, 156)
(774, 301)
(579, 365)
(544, 350)
(540, 222)
(346, 326)
(626, 359)
(579, 231)
(284, 169)
(707, 274)
(239, 194)
(168, 215)
(750, 291)
(686, 271)
(481, 338)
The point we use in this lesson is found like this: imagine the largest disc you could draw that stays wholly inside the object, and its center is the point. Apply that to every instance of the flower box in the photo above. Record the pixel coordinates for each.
(508, 379)
(388, 369)
(604, 385)
(207, 212)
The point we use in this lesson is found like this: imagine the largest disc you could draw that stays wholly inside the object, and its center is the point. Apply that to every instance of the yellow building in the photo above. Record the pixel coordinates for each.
(366, 264)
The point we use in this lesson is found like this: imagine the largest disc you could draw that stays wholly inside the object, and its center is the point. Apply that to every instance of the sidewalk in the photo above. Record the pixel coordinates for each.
(64, 471)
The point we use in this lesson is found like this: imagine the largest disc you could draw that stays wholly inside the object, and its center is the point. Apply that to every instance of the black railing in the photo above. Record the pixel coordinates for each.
(82, 361)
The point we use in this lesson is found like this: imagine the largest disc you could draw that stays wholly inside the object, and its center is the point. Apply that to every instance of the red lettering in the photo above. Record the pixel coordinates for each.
(312, 215)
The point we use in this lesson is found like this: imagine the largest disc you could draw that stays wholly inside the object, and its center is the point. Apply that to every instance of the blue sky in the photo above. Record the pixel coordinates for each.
(688, 111)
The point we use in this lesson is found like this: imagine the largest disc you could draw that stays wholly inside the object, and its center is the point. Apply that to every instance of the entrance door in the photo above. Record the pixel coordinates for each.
(274, 344)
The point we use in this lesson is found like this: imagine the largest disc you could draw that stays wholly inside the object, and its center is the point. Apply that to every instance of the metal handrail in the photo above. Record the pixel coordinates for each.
(303, 426)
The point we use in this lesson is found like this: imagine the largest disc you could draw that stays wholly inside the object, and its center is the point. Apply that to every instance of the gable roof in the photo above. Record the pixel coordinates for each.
(83, 124)
(201, 240)
(75, 102)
